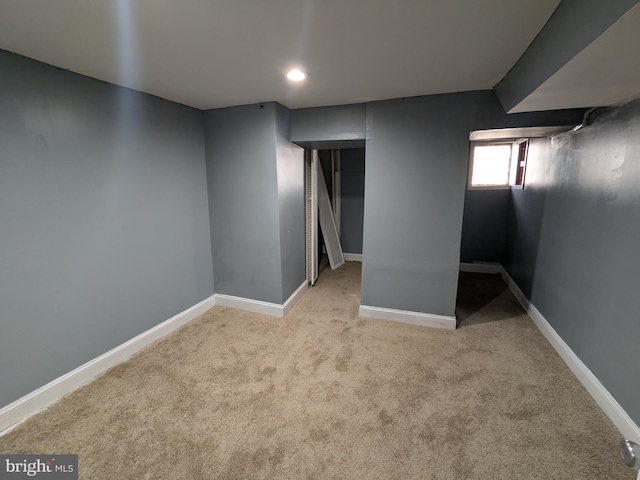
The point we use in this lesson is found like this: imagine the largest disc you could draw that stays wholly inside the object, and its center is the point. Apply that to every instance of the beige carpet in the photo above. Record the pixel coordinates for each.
(325, 394)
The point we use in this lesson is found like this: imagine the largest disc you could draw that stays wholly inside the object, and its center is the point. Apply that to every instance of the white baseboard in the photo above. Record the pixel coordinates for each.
(295, 296)
(39, 399)
(353, 257)
(612, 409)
(404, 316)
(249, 305)
(258, 306)
(478, 267)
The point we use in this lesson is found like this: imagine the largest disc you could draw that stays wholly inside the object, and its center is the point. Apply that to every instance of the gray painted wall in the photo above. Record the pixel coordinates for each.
(326, 126)
(586, 196)
(351, 199)
(484, 225)
(103, 219)
(416, 169)
(416, 161)
(290, 166)
(524, 218)
(243, 201)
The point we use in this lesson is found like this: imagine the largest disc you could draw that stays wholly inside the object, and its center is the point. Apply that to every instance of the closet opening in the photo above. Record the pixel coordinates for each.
(334, 196)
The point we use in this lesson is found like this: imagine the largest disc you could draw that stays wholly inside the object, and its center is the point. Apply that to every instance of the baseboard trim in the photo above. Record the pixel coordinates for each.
(353, 257)
(612, 409)
(18, 411)
(295, 296)
(404, 316)
(481, 267)
(249, 305)
(258, 306)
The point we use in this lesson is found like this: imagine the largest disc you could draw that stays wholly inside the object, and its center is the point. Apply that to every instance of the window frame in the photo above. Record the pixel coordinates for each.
(520, 155)
(472, 145)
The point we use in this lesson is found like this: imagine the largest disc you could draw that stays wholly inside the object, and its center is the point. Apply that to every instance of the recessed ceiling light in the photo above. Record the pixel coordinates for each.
(296, 75)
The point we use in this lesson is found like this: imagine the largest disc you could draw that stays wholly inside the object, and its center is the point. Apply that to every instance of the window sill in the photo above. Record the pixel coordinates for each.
(490, 187)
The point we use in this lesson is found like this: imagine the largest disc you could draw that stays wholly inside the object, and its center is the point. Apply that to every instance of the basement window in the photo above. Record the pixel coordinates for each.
(490, 165)
(497, 165)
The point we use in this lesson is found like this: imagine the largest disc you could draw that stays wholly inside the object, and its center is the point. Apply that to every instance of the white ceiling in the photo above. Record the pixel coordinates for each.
(216, 53)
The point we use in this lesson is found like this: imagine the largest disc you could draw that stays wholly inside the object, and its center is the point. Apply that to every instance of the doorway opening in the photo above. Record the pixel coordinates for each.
(334, 196)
